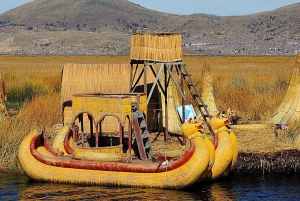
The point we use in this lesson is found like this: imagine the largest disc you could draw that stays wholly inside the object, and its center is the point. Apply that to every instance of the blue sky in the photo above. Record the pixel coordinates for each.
(216, 7)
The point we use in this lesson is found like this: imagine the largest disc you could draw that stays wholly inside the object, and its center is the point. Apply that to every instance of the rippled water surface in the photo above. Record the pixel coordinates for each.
(268, 187)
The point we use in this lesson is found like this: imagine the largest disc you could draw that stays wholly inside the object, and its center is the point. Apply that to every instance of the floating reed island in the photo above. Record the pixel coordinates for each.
(262, 151)
(273, 147)
(279, 162)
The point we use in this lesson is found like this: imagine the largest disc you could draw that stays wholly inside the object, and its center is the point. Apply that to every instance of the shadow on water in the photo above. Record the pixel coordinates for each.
(276, 187)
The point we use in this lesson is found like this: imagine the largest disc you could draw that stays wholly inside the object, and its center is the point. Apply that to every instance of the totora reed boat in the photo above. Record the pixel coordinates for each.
(105, 138)
(84, 155)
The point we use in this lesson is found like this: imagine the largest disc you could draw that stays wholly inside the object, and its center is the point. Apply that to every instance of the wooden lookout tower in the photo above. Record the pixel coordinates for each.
(160, 54)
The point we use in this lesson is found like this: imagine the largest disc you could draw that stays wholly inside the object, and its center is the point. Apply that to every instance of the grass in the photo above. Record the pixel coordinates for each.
(253, 86)
(42, 110)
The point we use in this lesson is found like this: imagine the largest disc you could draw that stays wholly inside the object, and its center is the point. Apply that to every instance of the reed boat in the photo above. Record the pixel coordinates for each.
(85, 155)
(225, 148)
(87, 151)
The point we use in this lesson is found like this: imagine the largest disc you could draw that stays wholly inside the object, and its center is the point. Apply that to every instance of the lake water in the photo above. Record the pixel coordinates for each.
(259, 187)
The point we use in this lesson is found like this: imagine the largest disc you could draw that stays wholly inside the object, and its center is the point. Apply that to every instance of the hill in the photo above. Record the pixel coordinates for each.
(100, 27)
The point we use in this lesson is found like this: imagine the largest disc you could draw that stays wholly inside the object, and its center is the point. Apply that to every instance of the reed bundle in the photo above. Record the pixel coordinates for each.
(207, 89)
(162, 47)
(289, 109)
(173, 100)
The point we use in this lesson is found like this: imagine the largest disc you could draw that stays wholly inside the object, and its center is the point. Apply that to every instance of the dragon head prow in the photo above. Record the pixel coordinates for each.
(189, 129)
(217, 122)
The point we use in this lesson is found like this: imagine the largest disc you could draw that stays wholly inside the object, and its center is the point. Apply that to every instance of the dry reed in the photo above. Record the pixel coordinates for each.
(253, 86)
(288, 110)
(43, 110)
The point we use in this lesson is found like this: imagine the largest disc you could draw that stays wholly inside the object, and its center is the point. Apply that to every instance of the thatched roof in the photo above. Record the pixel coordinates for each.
(162, 47)
(288, 111)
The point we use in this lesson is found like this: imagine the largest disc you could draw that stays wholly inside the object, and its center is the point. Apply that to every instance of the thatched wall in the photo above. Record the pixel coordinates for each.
(91, 78)
(162, 47)
(104, 78)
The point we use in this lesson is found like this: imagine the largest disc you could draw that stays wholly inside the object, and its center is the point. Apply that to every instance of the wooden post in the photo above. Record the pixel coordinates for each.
(97, 135)
(131, 74)
(82, 130)
(166, 105)
(129, 138)
(145, 78)
(121, 133)
(74, 132)
(182, 103)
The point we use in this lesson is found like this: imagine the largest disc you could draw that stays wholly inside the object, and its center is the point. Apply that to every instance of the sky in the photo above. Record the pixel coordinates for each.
(186, 7)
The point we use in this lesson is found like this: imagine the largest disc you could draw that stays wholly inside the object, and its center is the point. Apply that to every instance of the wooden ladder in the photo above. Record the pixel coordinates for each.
(197, 97)
(142, 137)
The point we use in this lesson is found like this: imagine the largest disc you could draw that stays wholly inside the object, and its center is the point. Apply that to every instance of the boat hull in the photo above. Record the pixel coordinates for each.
(186, 174)
(224, 154)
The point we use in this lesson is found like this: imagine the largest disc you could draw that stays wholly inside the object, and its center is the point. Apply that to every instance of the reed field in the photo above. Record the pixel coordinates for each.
(253, 86)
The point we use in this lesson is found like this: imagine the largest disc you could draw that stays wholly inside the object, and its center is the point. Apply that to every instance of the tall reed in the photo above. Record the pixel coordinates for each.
(254, 86)
(42, 110)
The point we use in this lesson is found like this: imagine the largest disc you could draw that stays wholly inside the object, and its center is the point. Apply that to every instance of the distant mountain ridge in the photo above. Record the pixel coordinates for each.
(100, 27)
